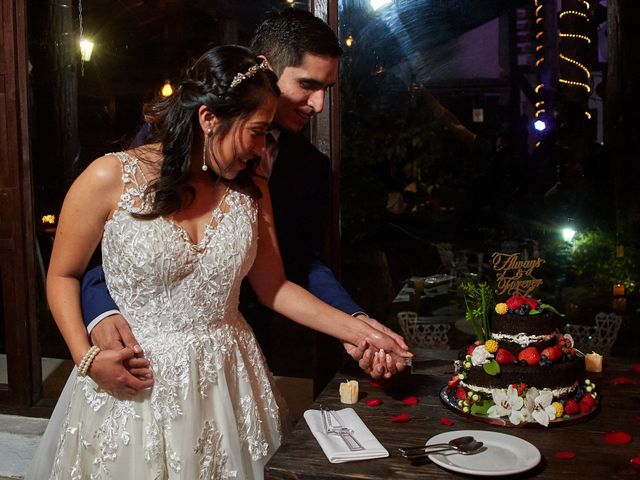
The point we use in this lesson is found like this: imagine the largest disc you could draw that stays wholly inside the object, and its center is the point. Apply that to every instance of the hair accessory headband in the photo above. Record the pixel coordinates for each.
(240, 77)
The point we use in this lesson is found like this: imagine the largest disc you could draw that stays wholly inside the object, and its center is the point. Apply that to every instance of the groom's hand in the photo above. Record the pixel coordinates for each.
(114, 333)
(369, 359)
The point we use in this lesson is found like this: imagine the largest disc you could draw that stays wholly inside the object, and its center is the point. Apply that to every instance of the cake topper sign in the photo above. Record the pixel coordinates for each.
(515, 276)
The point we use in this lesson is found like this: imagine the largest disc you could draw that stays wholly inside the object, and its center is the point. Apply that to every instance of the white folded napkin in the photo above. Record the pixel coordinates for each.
(335, 448)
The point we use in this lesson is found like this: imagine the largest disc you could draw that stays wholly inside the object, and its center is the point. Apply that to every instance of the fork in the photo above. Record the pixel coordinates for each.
(338, 429)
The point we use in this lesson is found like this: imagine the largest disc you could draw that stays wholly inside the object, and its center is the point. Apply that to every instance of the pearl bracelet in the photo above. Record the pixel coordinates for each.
(87, 360)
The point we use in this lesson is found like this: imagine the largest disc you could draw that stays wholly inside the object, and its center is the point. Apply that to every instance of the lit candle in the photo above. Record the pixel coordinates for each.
(349, 392)
(593, 362)
(618, 290)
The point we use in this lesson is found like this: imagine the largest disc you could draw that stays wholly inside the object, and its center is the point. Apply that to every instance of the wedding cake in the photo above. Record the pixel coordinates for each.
(521, 369)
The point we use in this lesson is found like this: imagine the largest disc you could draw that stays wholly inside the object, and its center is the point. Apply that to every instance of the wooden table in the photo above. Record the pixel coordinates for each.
(300, 456)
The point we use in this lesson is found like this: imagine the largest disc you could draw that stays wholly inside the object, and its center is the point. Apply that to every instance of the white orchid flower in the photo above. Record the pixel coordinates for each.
(539, 406)
(480, 356)
(507, 404)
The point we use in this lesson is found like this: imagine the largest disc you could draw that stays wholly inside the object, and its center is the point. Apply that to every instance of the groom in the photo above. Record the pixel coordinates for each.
(304, 52)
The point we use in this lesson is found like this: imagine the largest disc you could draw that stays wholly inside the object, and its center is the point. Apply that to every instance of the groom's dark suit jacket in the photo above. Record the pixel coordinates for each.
(300, 187)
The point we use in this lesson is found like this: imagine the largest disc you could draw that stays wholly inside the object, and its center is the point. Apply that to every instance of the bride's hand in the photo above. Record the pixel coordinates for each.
(109, 372)
(392, 344)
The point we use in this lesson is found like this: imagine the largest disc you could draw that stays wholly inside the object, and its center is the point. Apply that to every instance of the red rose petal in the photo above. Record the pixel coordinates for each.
(624, 381)
(446, 421)
(410, 401)
(635, 460)
(375, 383)
(617, 438)
(636, 367)
(374, 402)
(567, 455)
(402, 418)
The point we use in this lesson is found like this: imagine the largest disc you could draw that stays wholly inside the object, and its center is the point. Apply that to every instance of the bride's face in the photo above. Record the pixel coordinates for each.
(244, 141)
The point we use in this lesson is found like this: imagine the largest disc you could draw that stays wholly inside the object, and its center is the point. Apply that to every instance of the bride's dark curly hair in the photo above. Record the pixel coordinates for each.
(175, 124)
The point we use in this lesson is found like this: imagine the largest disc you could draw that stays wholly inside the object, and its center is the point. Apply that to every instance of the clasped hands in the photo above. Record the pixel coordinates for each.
(382, 354)
(122, 370)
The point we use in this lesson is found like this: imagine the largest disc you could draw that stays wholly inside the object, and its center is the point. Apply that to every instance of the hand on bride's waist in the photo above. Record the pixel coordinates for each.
(109, 370)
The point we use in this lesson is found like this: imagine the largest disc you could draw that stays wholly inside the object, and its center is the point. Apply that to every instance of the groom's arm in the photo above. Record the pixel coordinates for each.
(96, 301)
(108, 329)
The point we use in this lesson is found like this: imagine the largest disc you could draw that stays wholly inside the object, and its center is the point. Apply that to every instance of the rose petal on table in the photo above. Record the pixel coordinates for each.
(635, 460)
(410, 401)
(566, 455)
(623, 381)
(374, 402)
(446, 421)
(636, 367)
(402, 418)
(375, 383)
(617, 438)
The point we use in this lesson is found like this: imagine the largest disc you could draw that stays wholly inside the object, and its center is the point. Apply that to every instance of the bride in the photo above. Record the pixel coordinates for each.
(182, 222)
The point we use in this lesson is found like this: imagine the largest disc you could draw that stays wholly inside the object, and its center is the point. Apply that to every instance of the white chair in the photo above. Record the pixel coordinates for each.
(599, 337)
(420, 333)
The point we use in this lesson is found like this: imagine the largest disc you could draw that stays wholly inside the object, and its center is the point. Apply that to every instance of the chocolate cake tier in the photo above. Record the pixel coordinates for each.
(512, 323)
(514, 332)
(564, 375)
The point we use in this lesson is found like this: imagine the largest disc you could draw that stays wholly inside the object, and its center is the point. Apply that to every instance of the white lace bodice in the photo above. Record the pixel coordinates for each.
(159, 278)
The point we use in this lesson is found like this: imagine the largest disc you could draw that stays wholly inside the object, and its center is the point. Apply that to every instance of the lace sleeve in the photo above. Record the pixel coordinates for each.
(134, 182)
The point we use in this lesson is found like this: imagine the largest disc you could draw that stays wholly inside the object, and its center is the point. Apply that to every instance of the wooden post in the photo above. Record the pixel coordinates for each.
(17, 252)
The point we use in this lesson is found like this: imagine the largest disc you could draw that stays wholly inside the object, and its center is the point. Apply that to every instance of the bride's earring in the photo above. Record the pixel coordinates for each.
(204, 151)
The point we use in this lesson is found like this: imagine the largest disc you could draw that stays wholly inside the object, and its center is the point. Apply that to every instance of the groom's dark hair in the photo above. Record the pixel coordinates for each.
(286, 36)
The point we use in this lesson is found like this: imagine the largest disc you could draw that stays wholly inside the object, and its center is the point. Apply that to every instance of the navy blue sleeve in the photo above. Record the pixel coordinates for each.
(324, 285)
(94, 296)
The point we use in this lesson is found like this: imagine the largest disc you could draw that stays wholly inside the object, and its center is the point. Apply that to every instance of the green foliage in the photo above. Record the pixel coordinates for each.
(479, 302)
(491, 368)
(481, 407)
(593, 257)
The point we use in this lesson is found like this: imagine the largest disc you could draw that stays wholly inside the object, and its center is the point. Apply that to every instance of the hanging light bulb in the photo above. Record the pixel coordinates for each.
(349, 40)
(86, 49)
(167, 89)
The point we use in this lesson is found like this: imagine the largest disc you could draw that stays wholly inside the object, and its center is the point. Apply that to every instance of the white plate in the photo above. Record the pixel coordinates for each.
(504, 455)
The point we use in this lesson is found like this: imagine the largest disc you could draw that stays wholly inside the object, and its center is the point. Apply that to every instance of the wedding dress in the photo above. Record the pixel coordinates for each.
(213, 411)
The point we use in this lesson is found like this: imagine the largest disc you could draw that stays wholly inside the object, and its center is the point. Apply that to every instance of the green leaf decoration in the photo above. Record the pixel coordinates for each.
(534, 312)
(481, 407)
(491, 368)
(551, 309)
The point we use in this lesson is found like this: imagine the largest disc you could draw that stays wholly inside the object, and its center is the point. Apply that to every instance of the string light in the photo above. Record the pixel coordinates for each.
(586, 4)
(578, 64)
(540, 112)
(539, 47)
(588, 115)
(538, 35)
(539, 61)
(539, 104)
(575, 84)
(539, 87)
(349, 40)
(575, 35)
(538, 10)
(574, 12)
(538, 144)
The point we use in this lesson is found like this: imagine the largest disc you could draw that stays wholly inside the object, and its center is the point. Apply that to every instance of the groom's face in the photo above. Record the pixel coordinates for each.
(303, 89)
